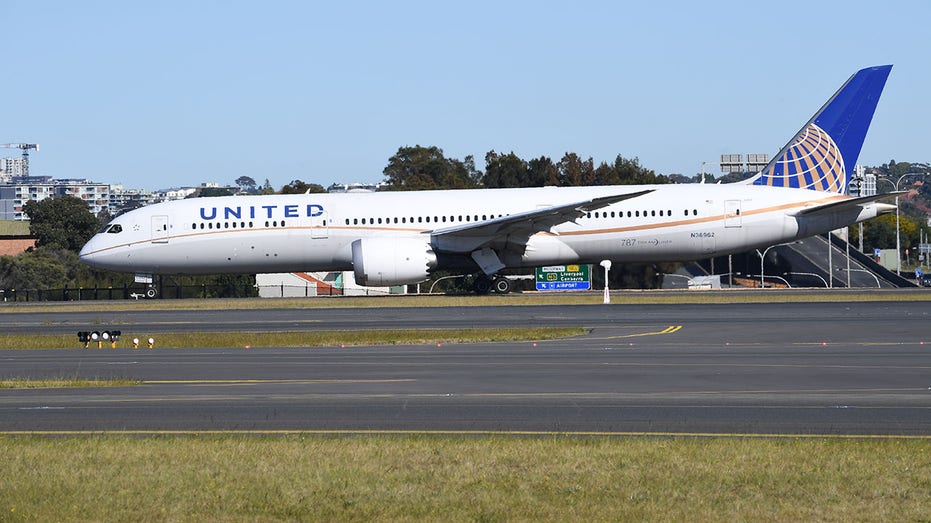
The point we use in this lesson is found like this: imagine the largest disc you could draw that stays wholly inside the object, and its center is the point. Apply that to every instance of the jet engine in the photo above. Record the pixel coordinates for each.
(391, 261)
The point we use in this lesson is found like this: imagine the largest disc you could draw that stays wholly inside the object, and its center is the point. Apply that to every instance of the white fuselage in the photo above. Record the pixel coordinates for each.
(315, 232)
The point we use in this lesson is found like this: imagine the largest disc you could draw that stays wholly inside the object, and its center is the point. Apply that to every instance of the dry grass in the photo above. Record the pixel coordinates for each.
(634, 297)
(301, 339)
(463, 479)
(63, 383)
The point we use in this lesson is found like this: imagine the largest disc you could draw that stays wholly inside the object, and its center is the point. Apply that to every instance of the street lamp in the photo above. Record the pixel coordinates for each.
(811, 274)
(607, 265)
(763, 258)
(898, 243)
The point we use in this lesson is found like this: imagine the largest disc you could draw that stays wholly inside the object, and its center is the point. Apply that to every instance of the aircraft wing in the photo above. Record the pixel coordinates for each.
(833, 207)
(516, 229)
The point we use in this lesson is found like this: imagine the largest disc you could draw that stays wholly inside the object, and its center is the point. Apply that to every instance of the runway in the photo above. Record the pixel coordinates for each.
(861, 369)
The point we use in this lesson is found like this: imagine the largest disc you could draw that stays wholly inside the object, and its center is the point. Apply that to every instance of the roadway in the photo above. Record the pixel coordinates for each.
(775, 368)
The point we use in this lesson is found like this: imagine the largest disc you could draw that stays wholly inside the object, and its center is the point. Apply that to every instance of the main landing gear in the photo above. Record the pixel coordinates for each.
(484, 285)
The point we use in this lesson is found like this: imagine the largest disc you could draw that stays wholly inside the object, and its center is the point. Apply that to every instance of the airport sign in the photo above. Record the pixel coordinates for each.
(573, 277)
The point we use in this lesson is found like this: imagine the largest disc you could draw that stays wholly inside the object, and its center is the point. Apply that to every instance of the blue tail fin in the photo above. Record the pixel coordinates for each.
(822, 156)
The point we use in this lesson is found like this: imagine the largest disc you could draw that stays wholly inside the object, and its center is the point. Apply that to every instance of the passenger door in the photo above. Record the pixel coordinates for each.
(160, 229)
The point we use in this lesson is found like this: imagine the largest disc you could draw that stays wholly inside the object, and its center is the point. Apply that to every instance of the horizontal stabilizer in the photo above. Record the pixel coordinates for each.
(828, 208)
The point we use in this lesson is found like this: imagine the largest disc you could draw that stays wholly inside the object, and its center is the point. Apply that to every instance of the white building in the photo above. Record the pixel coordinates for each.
(19, 190)
(10, 167)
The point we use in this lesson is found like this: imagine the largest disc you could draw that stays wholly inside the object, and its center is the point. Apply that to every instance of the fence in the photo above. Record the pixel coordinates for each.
(127, 293)
(170, 291)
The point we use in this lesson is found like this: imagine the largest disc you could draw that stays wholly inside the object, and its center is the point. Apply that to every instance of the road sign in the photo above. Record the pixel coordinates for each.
(564, 278)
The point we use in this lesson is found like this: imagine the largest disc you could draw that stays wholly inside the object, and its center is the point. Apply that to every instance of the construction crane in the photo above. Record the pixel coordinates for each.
(25, 147)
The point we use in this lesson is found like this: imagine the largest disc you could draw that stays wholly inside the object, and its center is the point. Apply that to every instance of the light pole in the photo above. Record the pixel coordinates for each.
(868, 272)
(814, 275)
(607, 265)
(687, 279)
(898, 242)
(763, 258)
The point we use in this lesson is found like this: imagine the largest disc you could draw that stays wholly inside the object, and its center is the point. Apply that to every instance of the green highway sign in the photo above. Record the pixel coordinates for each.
(564, 278)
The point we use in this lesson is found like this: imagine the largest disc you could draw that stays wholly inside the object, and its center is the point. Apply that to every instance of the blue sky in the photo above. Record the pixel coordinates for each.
(170, 93)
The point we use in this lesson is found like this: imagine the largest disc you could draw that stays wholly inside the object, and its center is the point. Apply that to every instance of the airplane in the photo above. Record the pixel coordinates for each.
(396, 238)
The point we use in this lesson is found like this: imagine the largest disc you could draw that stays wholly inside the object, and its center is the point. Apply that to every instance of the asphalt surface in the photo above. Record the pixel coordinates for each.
(784, 368)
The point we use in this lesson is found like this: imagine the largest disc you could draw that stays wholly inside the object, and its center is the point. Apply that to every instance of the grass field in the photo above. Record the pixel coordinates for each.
(631, 297)
(300, 339)
(411, 478)
(456, 478)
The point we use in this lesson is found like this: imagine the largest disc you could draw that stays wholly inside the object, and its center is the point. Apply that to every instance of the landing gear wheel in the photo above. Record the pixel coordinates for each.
(482, 285)
(151, 292)
(502, 285)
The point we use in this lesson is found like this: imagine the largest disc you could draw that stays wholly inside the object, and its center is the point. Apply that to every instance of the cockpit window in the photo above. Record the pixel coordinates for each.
(115, 229)
(104, 229)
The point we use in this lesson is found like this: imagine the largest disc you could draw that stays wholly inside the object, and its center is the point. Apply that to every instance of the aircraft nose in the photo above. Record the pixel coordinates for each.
(87, 252)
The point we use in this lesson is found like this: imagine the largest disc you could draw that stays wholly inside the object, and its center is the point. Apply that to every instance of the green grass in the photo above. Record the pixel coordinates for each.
(299, 339)
(415, 478)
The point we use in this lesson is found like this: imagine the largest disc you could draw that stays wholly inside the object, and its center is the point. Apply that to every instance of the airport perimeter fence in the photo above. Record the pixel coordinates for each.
(126, 292)
(173, 291)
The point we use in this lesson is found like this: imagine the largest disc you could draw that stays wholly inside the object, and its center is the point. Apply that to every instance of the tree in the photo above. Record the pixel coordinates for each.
(542, 171)
(423, 168)
(65, 223)
(32, 270)
(301, 187)
(267, 188)
(574, 172)
(211, 192)
(505, 171)
(246, 185)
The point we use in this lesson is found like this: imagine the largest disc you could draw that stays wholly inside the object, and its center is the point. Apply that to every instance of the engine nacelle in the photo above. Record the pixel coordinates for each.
(391, 261)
